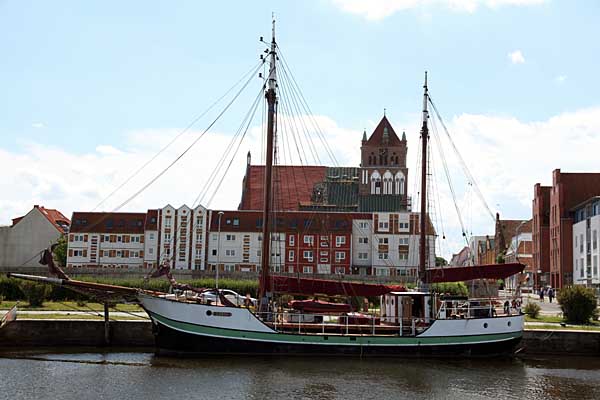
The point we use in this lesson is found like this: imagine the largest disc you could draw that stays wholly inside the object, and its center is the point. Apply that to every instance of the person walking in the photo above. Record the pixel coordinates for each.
(550, 294)
(542, 294)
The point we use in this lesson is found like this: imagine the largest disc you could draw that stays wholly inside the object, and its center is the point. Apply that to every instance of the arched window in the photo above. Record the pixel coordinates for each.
(375, 182)
(400, 180)
(387, 182)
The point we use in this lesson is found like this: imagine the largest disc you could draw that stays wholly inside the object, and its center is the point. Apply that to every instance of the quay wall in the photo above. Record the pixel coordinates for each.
(28, 333)
(561, 342)
(54, 332)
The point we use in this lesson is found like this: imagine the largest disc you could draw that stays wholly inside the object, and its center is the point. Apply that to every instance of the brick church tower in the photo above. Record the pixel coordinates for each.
(383, 172)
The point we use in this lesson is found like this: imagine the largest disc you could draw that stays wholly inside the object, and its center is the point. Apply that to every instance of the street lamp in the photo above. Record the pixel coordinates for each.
(218, 255)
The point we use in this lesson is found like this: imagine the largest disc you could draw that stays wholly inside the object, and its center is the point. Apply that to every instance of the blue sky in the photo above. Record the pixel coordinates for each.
(77, 78)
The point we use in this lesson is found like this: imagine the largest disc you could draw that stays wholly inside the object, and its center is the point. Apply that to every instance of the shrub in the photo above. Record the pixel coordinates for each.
(578, 304)
(9, 288)
(532, 309)
(453, 288)
(35, 293)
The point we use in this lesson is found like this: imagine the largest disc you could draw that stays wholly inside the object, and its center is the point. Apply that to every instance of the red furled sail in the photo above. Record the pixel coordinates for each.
(460, 274)
(318, 306)
(308, 287)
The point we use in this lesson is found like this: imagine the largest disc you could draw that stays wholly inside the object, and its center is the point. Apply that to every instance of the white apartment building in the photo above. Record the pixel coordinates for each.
(586, 251)
(107, 240)
(139, 240)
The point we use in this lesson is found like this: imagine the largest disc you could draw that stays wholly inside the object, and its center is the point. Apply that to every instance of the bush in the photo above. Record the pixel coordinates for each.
(35, 293)
(453, 288)
(10, 289)
(578, 304)
(532, 309)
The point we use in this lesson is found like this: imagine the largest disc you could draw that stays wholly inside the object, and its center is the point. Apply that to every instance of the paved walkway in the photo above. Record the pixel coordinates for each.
(548, 309)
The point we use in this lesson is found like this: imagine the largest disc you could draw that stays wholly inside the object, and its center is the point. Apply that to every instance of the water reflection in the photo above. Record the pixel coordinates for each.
(126, 375)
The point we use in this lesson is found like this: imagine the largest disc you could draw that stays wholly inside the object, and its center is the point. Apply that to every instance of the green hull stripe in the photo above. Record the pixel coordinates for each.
(332, 339)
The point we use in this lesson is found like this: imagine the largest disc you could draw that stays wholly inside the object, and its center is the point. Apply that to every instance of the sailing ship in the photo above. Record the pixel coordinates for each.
(408, 322)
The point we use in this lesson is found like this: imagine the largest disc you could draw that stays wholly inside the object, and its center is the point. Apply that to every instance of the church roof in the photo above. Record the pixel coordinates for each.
(293, 185)
(384, 128)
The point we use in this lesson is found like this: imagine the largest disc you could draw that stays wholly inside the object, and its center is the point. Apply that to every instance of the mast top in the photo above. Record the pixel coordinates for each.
(273, 29)
(425, 100)
(272, 81)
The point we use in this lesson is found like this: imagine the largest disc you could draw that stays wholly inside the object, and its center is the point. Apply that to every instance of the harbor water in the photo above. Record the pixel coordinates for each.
(90, 374)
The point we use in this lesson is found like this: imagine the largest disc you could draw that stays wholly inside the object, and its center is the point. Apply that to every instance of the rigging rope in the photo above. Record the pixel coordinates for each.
(183, 131)
(462, 162)
(149, 183)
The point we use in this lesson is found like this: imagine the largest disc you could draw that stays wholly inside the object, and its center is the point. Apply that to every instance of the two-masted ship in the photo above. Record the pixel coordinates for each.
(407, 323)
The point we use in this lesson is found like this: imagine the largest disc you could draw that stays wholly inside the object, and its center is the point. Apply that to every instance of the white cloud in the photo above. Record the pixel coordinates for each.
(516, 57)
(56, 178)
(506, 155)
(38, 125)
(380, 9)
(560, 79)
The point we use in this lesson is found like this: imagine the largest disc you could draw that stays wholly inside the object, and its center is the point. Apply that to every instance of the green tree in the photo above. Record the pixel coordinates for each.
(578, 304)
(60, 251)
(440, 262)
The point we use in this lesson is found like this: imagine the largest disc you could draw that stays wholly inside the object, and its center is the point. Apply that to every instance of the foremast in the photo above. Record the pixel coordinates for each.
(423, 214)
(271, 96)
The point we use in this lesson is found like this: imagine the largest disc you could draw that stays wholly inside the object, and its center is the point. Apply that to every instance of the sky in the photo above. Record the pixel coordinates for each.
(90, 91)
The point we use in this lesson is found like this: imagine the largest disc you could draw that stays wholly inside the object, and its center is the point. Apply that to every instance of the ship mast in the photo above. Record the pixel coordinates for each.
(423, 214)
(271, 97)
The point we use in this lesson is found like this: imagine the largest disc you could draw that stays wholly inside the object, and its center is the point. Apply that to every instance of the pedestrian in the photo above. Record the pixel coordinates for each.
(542, 294)
(550, 294)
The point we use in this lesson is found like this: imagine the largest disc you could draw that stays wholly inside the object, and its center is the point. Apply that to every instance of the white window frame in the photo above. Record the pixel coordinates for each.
(308, 255)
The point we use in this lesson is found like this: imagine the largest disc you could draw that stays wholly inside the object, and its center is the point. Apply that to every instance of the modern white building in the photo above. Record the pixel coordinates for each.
(586, 228)
(22, 242)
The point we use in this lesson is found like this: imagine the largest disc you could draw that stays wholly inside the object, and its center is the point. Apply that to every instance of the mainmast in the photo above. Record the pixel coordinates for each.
(423, 215)
(271, 97)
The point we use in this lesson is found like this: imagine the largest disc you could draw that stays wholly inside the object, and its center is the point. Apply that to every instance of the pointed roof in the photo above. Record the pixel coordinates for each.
(384, 129)
(56, 218)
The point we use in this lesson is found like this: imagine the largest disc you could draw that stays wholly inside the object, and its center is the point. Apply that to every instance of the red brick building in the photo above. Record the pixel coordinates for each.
(541, 235)
(568, 190)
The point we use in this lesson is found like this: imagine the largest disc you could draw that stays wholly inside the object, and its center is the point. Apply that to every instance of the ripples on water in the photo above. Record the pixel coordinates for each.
(92, 375)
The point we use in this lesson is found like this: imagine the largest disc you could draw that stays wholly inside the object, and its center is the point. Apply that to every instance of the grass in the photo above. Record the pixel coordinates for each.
(568, 327)
(544, 318)
(22, 316)
(69, 306)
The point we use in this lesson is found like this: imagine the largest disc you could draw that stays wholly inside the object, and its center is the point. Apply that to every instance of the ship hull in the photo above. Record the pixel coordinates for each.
(185, 329)
(171, 342)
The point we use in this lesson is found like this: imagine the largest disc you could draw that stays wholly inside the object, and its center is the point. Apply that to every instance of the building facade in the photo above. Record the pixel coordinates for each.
(139, 240)
(22, 241)
(379, 184)
(107, 240)
(568, 190)
(586, 228)
(540, 235)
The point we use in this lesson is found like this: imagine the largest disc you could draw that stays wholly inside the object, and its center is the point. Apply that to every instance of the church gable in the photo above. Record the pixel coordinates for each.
(384, 135)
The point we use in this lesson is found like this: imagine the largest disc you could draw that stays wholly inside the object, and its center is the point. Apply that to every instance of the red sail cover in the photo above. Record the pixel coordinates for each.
(308, 286)
(318, 306)
(459, 274)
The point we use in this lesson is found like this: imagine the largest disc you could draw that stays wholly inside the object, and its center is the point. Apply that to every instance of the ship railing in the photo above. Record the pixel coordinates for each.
(323, 323)
(479, 308)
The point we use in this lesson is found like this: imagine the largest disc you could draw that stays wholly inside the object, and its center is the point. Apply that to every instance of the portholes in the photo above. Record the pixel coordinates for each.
(509, 323)
(209, 313)
(485, 325)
